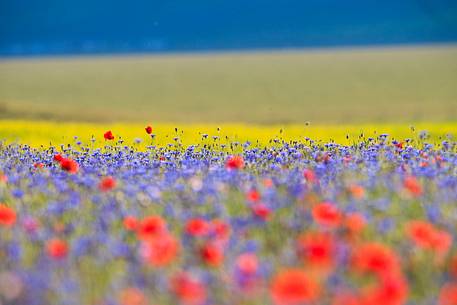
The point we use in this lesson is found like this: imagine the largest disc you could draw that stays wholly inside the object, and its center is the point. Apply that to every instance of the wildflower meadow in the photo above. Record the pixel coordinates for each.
(228, 152)
(105, 221)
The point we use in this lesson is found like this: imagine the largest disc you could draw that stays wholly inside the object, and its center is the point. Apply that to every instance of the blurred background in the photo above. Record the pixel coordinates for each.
(288, 61)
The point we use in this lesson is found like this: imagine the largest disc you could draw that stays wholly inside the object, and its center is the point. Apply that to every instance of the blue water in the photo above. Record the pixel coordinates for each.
(32, 27)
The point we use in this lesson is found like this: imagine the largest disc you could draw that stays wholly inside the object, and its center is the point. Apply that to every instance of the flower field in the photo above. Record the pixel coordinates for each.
(231, 214)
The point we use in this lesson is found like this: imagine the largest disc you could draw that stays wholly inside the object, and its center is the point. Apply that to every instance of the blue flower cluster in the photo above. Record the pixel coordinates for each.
(211, 224)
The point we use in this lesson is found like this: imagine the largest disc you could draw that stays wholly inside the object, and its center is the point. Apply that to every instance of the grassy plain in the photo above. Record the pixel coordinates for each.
(398, 85)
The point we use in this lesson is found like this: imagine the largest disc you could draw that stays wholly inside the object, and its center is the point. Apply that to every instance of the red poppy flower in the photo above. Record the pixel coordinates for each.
(247, 263)
(130, 223)
(354, 223)
(442, 242)
(197, 227)
(424, 164)
(7, 216)
(58, 157)
(246, 273)
(253, 196)
(38, 165)
(69, 165)
(234, 162)
(57, 248)
(151, 226)
(293, 287)
(108, 135)
(325, 158)
(413, 186)
(220, 229)
(347, 159)
(132, 296)
(426, 236)
(267, 182)
(317, 249)
(399, 145)
(391, 290)
(448, 294)
(212, 254)
(148, 129)
(188, 289)
(357, 191)
(326, 214)
(439, 160)
(3, 178)
(421, 232)
(160, 250)
(376, 258)
(309, 175)
(107, 184)
(261, 211)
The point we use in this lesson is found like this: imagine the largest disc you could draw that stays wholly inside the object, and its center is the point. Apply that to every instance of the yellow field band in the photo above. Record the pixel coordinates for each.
(37, 133)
